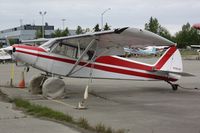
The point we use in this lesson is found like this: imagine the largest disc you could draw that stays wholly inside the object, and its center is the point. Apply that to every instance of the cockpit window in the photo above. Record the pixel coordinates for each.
(65, 50)
(68, 50)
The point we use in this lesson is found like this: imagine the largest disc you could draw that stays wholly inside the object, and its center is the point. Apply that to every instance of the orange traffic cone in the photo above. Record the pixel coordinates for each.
(22, 82)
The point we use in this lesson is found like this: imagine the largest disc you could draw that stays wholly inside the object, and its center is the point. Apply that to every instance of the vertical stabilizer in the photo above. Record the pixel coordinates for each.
(170, 61)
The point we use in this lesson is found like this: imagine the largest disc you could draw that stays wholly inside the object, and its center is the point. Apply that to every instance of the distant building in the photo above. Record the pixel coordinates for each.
(26, 32)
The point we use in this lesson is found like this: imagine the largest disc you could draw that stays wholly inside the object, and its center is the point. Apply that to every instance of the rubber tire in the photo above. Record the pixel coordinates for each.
(174, 87)
(35, 84)
(53, 88)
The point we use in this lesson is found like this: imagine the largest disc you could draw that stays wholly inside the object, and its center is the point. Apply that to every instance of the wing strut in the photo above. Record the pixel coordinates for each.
(81, 57)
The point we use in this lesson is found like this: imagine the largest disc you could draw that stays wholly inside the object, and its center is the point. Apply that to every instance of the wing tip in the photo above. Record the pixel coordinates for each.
(120, 30)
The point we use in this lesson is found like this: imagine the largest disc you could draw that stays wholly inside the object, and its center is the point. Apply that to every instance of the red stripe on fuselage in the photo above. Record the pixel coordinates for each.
(132, 73)
(101, 67)
(119, 62)
(29, 47)
(166, 57)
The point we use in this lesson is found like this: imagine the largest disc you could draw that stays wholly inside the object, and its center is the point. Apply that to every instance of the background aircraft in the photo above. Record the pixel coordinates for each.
(4, 56)
(196, 47)
(149, 50)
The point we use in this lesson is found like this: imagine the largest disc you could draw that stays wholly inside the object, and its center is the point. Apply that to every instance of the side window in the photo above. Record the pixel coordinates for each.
(88, 55)
(71, 51)
(65, 50)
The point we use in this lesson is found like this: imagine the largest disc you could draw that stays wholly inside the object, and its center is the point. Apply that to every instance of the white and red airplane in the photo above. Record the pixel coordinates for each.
(92, 55)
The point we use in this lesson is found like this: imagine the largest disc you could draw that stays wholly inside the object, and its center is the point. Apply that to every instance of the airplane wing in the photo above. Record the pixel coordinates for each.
(113, 41)
(36, 41)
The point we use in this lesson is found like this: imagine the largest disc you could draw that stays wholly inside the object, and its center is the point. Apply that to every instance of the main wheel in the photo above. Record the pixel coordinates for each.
(53, 88)
(35, 84)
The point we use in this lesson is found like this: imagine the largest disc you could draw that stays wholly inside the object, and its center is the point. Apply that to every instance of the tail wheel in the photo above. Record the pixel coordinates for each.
(174, 87)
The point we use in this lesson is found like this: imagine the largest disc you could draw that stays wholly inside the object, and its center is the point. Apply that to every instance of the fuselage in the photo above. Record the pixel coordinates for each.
(107, 67)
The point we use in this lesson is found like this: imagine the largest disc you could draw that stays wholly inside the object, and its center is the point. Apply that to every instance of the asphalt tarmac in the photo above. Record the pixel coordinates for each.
(14, 121)
(136, 106)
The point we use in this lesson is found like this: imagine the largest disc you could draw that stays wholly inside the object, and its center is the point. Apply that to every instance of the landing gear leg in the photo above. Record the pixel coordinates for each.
(174, 86)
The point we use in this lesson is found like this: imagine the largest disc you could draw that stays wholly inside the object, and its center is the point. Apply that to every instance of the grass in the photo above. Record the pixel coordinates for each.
(40, 111)
(44, 112)
(83, 123)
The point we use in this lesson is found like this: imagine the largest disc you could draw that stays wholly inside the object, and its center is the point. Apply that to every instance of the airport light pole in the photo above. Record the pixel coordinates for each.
(63, 23)
(102, 17)
(42, 14)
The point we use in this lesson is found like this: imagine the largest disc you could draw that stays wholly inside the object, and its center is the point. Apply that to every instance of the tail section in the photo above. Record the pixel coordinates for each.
(171, 61)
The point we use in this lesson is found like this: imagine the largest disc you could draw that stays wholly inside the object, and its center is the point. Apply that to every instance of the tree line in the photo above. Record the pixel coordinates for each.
(185, 37)
(79, 30)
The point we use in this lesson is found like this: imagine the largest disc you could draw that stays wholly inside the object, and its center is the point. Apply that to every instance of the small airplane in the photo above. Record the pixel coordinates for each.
(140, 51)
(196, 47)
(4, 56)
(149, 50)
(93, 56)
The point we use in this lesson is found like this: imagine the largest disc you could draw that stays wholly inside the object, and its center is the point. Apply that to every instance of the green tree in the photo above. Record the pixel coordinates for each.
(106, 27)
(79, 30)
(57, 33)
(156, 28)
(65, 32)
(153, 25)
(13, 41)
(96, 28)
(87, 30)
(187, 36)
(60, 33)
(38, 33)
(164, 33)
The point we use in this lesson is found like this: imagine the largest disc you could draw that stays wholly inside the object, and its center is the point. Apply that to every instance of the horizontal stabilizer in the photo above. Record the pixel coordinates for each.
(178, 73)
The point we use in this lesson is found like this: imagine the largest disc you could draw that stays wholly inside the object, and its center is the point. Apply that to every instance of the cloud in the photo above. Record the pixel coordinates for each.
(87, 13)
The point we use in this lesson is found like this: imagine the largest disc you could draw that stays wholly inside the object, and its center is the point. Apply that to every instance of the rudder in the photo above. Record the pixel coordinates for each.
(170, 61)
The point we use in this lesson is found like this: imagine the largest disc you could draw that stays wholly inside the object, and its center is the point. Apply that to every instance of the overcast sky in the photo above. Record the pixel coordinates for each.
(171, 14)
